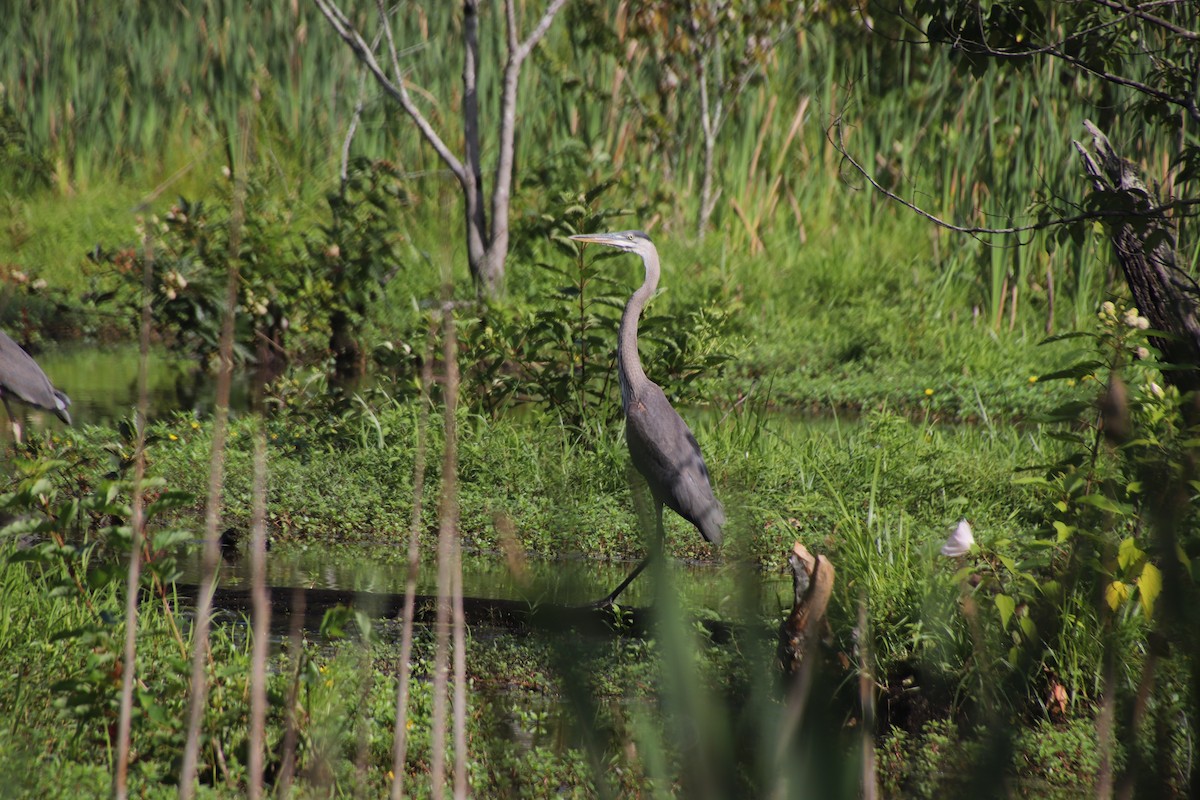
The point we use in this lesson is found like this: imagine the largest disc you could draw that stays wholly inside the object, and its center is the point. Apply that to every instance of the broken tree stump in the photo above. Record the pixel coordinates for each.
(812, 585)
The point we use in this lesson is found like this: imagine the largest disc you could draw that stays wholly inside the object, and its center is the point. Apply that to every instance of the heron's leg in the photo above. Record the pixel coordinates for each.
(656, 548)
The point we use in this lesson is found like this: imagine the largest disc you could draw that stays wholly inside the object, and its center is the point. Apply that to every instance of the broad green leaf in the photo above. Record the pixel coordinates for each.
(1115, 594)
(1129, 554)
(1064, 530)
(1006, 606)
(1106, 503)
(1149, 587)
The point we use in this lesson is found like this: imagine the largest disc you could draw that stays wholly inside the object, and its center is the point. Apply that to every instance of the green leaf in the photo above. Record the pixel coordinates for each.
(1105, 503)
(1115, 594)
(1006, 606)
(1129, 554)
(1064, 530)
(1149, 587)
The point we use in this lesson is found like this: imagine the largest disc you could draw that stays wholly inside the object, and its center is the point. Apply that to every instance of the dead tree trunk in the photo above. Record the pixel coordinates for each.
(487, 246)
(1144, 240)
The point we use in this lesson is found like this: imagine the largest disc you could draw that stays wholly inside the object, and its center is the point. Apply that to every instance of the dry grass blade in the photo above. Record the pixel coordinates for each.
(450, 511)
(212, 549)
(400, 752)
(447, 523)
(866, 700)
(128, 675)
(262, 614)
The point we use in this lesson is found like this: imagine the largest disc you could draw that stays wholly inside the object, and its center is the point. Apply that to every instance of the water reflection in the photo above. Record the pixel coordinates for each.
(102, 383)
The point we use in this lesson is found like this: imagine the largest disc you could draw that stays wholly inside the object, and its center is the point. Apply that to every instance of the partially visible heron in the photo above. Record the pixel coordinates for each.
(661, 446)
(22, 379)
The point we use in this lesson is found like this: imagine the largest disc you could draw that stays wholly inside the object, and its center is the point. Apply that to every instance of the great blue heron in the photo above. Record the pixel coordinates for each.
(661, 446)
(22, 379)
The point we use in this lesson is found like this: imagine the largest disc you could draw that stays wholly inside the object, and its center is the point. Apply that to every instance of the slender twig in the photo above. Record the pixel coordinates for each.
(404, 668)
(216, 475)
(354, 120)
(137, 524)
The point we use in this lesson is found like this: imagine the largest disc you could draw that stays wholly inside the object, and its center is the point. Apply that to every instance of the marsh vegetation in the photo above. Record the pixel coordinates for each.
(225, 180)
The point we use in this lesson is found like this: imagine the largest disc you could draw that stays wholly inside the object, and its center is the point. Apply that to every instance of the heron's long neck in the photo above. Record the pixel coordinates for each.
(629, 366)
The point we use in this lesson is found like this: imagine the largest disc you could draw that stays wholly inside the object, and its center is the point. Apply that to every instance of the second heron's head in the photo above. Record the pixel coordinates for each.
(632, 241)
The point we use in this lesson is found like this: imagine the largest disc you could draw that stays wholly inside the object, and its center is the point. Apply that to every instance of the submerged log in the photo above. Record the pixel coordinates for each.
(479, 611)
(812, 585)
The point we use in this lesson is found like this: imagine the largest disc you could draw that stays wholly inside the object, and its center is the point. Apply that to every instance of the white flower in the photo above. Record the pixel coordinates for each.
(1130, 317)
(1108, 310)
(1141, 353)
(1156, 390)
(1141, 323)
(960, 540)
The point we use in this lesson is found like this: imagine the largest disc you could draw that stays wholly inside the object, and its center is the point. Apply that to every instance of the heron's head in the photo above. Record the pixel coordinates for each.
(631, 241)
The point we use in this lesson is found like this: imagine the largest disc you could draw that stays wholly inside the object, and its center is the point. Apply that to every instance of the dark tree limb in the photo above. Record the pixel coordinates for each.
(1145, 246)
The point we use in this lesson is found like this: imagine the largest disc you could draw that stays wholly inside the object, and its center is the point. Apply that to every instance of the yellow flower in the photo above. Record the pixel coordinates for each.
(172, 437)
(195, 425)
(1033, 378)
(391, 775)
(929, 392)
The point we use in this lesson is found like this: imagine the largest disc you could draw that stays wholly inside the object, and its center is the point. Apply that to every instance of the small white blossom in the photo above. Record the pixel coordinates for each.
(1130, 317)
(1141, 353)
(1141, 323)
(959, 541)
(1156, 390)
(1108, 310)
(38, 285)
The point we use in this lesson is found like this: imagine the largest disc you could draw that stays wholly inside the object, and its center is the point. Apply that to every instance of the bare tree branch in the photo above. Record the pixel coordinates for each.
(839, 144)
(526, 47)
(1135, 11)
(502, 190)
(366, 55)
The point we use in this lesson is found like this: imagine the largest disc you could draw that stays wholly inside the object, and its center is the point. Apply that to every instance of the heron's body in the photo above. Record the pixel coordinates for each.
(661, 445)
(22, 379)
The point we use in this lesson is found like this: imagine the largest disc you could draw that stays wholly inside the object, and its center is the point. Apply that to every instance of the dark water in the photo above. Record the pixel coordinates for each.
(102, 383)
(567, 582)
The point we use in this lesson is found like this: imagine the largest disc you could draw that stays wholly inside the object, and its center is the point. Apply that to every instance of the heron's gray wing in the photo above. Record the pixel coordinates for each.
(667, 454)
(22, 378)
